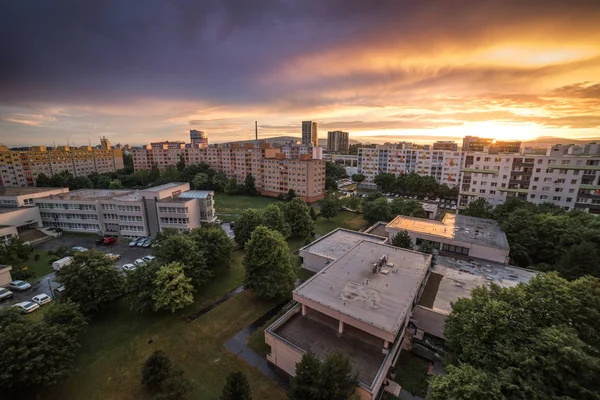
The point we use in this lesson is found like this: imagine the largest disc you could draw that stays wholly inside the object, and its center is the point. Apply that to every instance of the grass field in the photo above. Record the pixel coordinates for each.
(116, 345)
(40, 267)
(344, 219)
(412, 374)
(229, 207)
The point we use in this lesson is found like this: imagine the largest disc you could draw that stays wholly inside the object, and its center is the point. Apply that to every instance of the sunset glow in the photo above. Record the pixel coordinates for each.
(389, 71)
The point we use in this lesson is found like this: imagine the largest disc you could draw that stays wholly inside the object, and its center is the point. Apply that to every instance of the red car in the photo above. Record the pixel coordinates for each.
(110, 240)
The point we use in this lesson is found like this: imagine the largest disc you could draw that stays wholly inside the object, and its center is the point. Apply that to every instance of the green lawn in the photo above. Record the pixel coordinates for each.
(116, 344)
(41, 267)
(412, 374)
(344, 219)
(229, 207)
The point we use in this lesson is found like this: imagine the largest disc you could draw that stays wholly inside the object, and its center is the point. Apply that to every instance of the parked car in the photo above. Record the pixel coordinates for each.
(147, 243)
(141, 242)
(139, 261)
(99, 240)
(134, 242)
(27, 306)
(78, 249)
(41, 299)
(19, 286)
(5, 294)
(148, 258)
(58, 264)
(128, 267)
(113, 257)
(442, 206)
(110, 240)
(59, 290)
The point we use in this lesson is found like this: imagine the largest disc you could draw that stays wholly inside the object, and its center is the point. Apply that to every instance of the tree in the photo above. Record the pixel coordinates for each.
(579, 260)
(231, 187)
(291, 194)
(200, 181)
(182, 248)
(313, 214)
(173, 290)
(465, 382)
(103, 182)
(377, 210)
(175, 387)
(479, 208)
(245, 225)
(170, 174)
(43, 180)
(274, 219)
(91, 280)
(358, 178)
(115, 184)
(305, 384)
(237, 387)
(333, 172)
(269, 270)
(331, 380)
(219, 181)
(250, 185)
(140, 287)
(385, 181)
(67, 315)
(410, 208)
(181, 163)
(216, 246)
(297, 215)
(539, 340)
(155, 370)
(329, 207)
(402, 240)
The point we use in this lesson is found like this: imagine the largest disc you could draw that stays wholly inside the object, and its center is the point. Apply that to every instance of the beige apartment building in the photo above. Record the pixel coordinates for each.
(20, 168)
(128, 213)
(274, 171)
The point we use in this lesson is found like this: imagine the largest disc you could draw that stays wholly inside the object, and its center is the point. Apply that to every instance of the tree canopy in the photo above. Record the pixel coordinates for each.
(182, 248)
(173, 289)
(245, 225)
(91, 280)
(297, 215)
(237, 387)
(410, 208)
(539, 340)
(402, 240)
(329, 207)
(377, 210)
(479, 208)
(270, 273)
(215, 245)
(155, 370)
(273, 218)
(358, 178)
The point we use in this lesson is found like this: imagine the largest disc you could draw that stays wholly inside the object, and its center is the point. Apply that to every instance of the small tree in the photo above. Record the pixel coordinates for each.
(337, 381)
(297, 214)
(274, 219)
(231, 187)
(67, 315)
(291, 194)
(269, 270)
(402, 240)
(156, 370)
(313, 214)
(250, 185)
(219, 181)
(173, 290)
(200, 181)
(175, 387)
(91, 280)
(377, 210)
(305, 384)
(115, 184)
(245, 225)
(329, 207)
(358, 178)
(216, 246)
(237, 387)
(479, 208)
(182, 248)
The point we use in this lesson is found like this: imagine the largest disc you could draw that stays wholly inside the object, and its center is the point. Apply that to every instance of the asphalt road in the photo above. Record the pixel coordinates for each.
(49, 282)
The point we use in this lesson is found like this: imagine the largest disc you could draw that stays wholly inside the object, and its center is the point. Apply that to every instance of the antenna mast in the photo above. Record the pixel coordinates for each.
(256, 130)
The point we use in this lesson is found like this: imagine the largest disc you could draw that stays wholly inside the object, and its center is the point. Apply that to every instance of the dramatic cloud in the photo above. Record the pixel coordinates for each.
(138, 71)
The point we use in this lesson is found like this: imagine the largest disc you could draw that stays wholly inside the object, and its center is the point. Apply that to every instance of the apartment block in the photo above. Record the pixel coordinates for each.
(445, 145)
(297, 167)
(443, 165)
(338, 141)
(568, 176)
(310, 133)
(20, 168)
(128, 213)
(198, 138)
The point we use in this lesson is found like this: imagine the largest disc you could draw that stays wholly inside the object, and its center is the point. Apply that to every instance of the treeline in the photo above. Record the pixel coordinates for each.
(545, 237)
(414, 184)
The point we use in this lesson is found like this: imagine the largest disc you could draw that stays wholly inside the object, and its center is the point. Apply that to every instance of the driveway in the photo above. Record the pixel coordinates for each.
(49, 282)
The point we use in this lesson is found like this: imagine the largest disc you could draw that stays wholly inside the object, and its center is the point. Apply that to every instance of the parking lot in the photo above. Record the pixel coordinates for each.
(49, 282)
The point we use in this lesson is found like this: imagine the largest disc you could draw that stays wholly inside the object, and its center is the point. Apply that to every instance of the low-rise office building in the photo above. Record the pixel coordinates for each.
(359, 305)
(456, 234)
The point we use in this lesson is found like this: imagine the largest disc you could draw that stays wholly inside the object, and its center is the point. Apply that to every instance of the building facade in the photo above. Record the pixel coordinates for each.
(198, 138)
(338, 141)
(20, 168)
(128, 213)
(310, 133)
(443, 165)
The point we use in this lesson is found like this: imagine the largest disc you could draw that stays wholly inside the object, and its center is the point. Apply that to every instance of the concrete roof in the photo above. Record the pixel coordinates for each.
(460, 228)
(336, 243)
(197, 194)
(88, 194)
(164, 186)
(350, 287)
(459, 277)
(21, 191)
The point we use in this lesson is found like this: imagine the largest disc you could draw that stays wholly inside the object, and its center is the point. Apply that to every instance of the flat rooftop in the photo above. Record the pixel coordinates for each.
(452, 279)
(317, 333)
(471, 230)
(164, 187)
(197, 194)
(382, 299)
(21, 191)
(336, 243)
(89, 194)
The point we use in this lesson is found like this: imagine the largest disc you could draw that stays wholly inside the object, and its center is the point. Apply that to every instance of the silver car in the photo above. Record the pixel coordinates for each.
(19, 285)
(5, 294)
(41, 299)
(27, 306)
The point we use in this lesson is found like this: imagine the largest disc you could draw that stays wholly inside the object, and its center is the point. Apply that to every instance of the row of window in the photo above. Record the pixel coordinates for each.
(69, 216)
(61, 206)
(173, 210)
(172, 220)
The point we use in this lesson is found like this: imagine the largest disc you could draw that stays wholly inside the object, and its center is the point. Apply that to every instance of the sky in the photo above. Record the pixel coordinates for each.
(138, 71)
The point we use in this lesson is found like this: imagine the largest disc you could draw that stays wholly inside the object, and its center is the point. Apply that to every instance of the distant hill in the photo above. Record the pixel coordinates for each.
(549, 140)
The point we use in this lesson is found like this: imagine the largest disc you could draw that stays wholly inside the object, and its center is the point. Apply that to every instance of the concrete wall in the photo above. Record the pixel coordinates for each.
(5, 277)
(313, 262)
(22, 216)
(8, 231)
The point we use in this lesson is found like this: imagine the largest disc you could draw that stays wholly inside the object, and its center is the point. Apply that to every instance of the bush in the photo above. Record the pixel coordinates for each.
(156, 370)
(36, 257)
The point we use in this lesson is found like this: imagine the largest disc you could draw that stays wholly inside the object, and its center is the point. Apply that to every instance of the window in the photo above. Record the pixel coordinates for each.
(547, 179)
(556, 198)
(573, 181)
(494, 184)
(539, 161)
(543, 197)
(492, 192)
(565, 162)
(571, 190)
(569, 199)
(558, 190)
(534, 187)
(545, 189)
(532, 196)
(482, 191)
(455, 249)
(538, 170)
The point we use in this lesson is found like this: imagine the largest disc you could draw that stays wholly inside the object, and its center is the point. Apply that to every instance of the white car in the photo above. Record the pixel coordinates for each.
(5, 294)
(78, 249)
(148, 258)
(19, 285)
(113, 257)
(139, 261)
(27, 306)
(134, 242)
(128, 267)
(41, 299)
